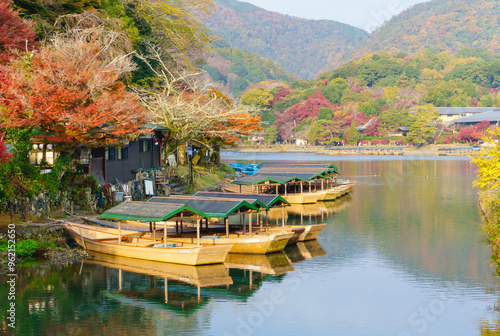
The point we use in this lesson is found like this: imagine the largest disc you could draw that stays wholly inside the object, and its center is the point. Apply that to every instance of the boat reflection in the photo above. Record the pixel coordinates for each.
(272, 264)
(314, 213)
(201, 276)
(304, 250)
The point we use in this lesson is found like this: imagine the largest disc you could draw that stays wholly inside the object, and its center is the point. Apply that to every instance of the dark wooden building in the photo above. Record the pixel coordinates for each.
(112, 163)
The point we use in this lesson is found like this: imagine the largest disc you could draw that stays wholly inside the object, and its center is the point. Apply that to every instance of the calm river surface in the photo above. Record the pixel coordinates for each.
(403, 255)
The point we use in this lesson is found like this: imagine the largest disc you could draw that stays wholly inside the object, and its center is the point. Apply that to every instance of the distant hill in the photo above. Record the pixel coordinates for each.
(442, 25)
(302, 47)
(237, 70)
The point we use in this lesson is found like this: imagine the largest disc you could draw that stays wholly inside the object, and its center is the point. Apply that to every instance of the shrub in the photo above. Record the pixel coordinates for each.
(374, 142)
(399, 142)
(385, 141)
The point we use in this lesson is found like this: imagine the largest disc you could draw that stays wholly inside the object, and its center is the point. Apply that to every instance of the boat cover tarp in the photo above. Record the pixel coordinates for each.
(148, 212)
(281, 179)
(211, 208)
(269, 201)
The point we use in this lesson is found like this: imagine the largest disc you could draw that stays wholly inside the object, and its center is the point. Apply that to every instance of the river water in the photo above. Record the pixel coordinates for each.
(403, 255)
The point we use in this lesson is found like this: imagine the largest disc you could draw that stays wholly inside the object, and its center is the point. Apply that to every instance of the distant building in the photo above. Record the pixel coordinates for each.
(492, 116)
(449, 114)
(301, 142)
(257, 138)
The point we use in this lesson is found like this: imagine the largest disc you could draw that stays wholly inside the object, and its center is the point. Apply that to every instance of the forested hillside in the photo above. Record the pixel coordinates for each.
(442, 25)
(369, 99)
(236, 69)
(302, 47)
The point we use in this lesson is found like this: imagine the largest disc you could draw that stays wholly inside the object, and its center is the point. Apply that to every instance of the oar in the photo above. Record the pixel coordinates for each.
(83, 240)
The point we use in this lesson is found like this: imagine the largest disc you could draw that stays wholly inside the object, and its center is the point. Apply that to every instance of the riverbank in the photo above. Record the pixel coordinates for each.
(490, 216)
(429, 150)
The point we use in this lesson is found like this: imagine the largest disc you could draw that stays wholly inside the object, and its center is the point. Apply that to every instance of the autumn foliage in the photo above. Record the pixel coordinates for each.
(4, 155)
(14, 32)
(72, 94)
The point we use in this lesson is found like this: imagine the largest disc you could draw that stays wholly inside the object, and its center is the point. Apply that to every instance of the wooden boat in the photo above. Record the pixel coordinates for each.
(202, 276)
(307, 232)
(257, 243)
(304, 198)
(132, 245)
(273, 263)
(242, 242)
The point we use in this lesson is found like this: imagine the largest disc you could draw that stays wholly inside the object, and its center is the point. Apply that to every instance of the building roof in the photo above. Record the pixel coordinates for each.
(491, 116)
(460, 110)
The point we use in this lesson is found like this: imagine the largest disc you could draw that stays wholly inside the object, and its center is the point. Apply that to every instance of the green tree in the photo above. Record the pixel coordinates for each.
(326, 131)
(239, 85)
(325, 113)
(271, 134)
(352, 134)
(424, 128)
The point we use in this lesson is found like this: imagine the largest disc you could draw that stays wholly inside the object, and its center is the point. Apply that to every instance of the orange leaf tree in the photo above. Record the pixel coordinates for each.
(71, 92)
(193, 112)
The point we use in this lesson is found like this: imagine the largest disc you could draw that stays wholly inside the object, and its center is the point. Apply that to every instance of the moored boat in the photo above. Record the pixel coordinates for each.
(307, 232)
(133, 245)
(257, 243)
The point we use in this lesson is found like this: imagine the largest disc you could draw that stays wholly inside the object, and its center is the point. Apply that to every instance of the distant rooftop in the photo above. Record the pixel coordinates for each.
(460, 110)
(492, 116)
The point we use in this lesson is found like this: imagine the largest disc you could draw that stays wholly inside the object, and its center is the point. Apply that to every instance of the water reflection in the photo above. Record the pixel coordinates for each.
(310, 213)
(405, 243)
(273, 264)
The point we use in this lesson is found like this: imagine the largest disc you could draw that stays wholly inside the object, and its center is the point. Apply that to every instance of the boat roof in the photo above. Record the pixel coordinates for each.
(268, 201)
(281, 179)
(210, 207)
(149, 212)
(282, 172)
(299, 164)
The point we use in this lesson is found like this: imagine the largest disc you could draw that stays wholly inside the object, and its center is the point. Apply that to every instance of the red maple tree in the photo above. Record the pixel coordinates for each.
(15, 33)
(72, 94)
(4, 155)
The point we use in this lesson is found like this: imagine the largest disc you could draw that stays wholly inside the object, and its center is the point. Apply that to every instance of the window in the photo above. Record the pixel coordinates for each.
(122, 153)
(146, 146)
(111, 153)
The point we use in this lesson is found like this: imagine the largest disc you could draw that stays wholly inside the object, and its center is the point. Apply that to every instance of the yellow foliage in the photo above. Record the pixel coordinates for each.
(487, 161)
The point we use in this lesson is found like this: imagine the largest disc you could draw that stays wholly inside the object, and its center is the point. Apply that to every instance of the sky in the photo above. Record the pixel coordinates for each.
(364, 14)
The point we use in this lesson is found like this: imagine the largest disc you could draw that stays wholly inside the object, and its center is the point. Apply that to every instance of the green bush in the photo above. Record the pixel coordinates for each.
(24, 248)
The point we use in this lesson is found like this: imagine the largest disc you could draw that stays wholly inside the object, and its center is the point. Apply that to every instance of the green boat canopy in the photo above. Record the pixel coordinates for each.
(267, 200)
(210, 207)
(281, 179)
(149, 212)
(281, 173)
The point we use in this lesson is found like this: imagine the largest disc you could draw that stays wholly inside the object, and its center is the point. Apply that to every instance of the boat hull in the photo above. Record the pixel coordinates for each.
(310, 232)
(188, 255)
(243, 243)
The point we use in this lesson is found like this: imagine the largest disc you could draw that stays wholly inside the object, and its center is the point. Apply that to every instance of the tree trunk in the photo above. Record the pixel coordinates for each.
(181, 155)
(216, 156)
(197, 158)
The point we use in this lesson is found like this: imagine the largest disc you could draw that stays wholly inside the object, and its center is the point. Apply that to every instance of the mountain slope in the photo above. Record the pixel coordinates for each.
(303, 47)
(442, 25)
(236, 69)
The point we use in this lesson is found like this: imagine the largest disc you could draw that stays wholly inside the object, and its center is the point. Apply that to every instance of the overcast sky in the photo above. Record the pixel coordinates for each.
(365, 14)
